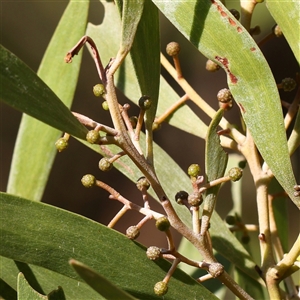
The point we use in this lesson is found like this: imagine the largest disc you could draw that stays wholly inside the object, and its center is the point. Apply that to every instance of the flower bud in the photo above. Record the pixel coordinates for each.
(194, 170)
(173, 49)
(61, 144)
(145, 102)
(93, 137)
(143, 184)
(277, 31)
(88, 180)
(160, 288)
(153, 253)
(235, 174)
(132, 232)
(162, 223)
(230, 220)
(181, 197)
(224, 96)
(235, 13)
(105, 105)
(211, 66)
(105, 164)
(288, 84)
(99, 90)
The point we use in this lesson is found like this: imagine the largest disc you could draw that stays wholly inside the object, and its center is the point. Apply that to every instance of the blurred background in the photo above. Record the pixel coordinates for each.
(26, 29)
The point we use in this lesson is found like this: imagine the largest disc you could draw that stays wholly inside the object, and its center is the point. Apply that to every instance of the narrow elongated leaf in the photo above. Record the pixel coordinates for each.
(25, 91)
(218, 35)
(25, 291)
(43, 280)
(99, 283)
(51, 236)
(287, 16)
(127, 77)
(36, 140)
(146, 58)
(131, 12)
(215, 165)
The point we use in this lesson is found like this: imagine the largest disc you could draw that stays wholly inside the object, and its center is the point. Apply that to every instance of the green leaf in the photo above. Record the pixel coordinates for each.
(6, 291)
(51, 236)
(99, 283)
(213, 30)
(28, 93)
(146, 58)
(215, 165)
(126, 78)
(43, 280)
(287, 17)
(250, 285)
(26, 292)
(131, 12)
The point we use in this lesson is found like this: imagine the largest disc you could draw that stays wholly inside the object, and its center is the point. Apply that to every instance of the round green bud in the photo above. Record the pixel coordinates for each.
(162, 223)
(245, 239)
(288, 84)
(153, 253)
(235, 174)
(61, 144)
(105, 164)
(224, 96)
(145, 102)
(194, 170)
(132, 232)
(277, 31)
(133, 121)
(211, 66)
(235, 13)
(160, 288)
(88, 180)
(181, 196)
(105, 105)
(93, 137)
(143, 184)
(173, 49)
(195, 199)
(230, 220)
(99, 90)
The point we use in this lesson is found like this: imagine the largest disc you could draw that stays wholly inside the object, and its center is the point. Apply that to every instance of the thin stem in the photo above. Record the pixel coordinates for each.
(118, 216)
(130, 205)
(204, 278)
(203, 105)
(93, 124)
(171, 245)
(76, 49)
(171, 270)
(247, 8)
(139, 125)
(293, 109)
(290, 258)
(196, 219)
(171, 109)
